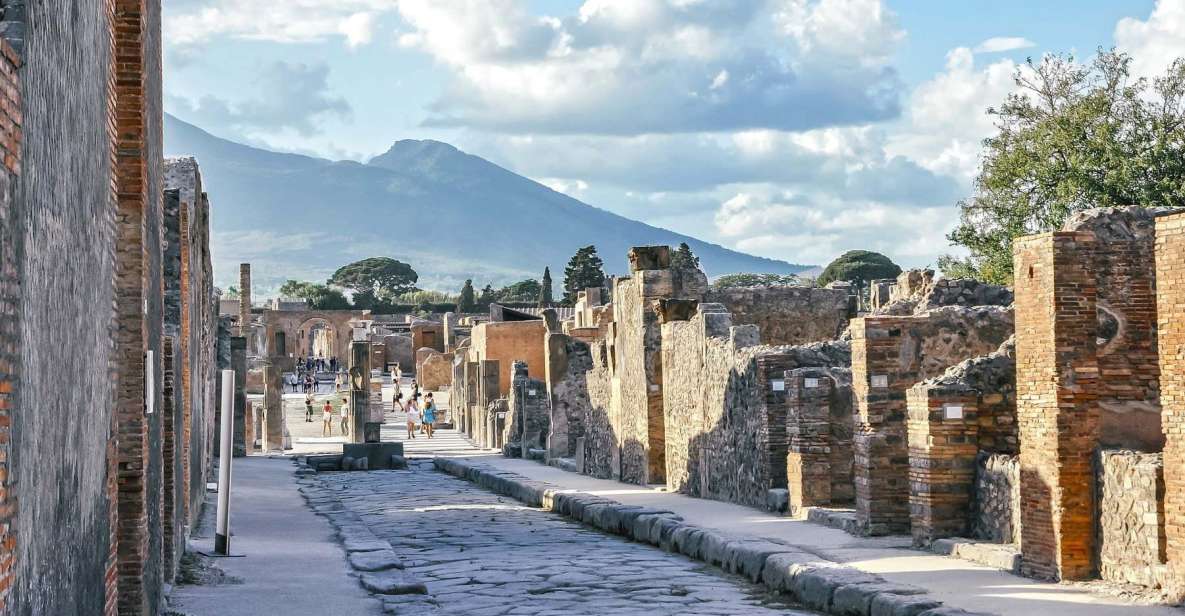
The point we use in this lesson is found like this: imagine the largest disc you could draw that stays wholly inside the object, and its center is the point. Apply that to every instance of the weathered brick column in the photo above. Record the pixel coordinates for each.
(1170, 303)
(238, 363)
(472, 378)
(808, 430)
(359, 390)
(273, 405)
(1057, 372)
(245, 300)
(943, 428)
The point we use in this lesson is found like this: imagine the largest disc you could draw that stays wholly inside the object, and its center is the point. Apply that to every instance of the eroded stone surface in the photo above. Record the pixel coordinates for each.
(480, 553)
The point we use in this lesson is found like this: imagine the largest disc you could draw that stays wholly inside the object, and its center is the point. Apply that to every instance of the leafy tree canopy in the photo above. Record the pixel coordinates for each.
(683, 258)
(378, 276)
(545, 296)
(320, 297)
(1074, 136)
(467, 303)
(585, 270)
(521, 291)
(734, 281)
(487, 297)
(859, 266)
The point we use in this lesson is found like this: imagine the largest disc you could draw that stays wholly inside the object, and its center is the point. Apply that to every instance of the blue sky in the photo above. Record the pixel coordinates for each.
(793, 129)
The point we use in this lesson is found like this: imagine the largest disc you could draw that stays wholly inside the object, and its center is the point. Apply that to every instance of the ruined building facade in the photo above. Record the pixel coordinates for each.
(106, 350)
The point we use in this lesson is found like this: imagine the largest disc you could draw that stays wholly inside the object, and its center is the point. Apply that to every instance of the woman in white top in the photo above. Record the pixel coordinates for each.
(413, 416)
(345, 413)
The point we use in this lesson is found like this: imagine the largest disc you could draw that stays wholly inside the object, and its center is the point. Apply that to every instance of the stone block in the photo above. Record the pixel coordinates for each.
(377, 560)
(649, 258)
(887, 604)
(378, 455)
(856, 599)
(777, 500)
(392, 583)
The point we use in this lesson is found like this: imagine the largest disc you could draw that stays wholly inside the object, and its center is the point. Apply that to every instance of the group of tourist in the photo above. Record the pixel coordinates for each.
(419, 419)
(327, 415)
(316, 364)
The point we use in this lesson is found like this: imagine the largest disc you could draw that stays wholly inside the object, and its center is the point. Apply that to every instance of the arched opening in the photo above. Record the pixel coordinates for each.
(317, 337)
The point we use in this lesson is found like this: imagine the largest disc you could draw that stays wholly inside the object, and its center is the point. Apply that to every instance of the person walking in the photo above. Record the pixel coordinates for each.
(429, 414)
(308, 408)
(327, 419)
(345, 417)
(413, 417)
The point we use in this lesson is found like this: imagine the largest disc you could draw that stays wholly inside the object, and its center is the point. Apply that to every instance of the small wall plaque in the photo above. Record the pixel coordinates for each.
(150, 381)
(532, 392)
(952, 411)
(778, 384)
(810, 383)
(880, 380)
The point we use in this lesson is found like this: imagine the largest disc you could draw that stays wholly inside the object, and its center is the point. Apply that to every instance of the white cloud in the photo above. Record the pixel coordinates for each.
(193, 22)
(1156, 42)
(657, 66)
(293, 97)
(947, 118)
(998, 44)
(572, 188)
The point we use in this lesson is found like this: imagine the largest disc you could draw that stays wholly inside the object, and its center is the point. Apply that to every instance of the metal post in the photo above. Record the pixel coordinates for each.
(222, 530)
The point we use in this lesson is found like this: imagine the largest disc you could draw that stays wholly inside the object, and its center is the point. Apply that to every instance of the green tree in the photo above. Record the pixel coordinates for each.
(585, 270)
(732, 281)
(521, 291)
(683, 258)
(1073, 137)
(545, 296)
(232, 292)
(486, 298)
(467, 302)
(376, 276)
(319, 296)
(859, 266)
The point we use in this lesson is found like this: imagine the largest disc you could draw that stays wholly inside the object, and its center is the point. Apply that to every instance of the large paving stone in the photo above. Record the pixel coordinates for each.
(377, 560)
(392, 583)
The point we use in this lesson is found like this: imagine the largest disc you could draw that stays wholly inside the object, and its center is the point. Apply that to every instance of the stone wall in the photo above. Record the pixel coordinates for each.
(1131, 518)
(917, 292)
(952, 418)
(995, 507)
(528, 414)
(93, 510)
(787, 314)
(889, 355)
(725, 405)
(399, 349)
(568, 362)
(435, 372)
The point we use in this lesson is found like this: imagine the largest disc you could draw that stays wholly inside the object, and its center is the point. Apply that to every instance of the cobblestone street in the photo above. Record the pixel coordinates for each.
(480, 554)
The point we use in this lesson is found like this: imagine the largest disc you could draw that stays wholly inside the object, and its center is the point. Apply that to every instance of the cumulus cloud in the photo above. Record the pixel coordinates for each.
(189, 23)
(998, 44)
(659, 66)
(291, 97)
(947, 119)
(1155, 42)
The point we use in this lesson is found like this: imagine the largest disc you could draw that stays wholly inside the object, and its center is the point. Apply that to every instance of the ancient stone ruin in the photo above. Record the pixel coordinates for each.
(1041, 419)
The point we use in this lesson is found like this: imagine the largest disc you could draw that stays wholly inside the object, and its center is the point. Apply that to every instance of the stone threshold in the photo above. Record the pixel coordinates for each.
(813, 581)
(998, 555)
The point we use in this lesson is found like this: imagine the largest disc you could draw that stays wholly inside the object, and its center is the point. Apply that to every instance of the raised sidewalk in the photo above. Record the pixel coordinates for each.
(956, 583)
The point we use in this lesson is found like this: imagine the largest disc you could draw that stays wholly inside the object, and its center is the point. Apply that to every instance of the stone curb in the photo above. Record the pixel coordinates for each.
(1000, 556)
(815, 582)
(379, 570)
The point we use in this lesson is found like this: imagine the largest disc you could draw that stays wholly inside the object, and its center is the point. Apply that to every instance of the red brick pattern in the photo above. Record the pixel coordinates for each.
(132, 199)
(1057, 375)
(10, 149)
(1170, 282)
(942, 454)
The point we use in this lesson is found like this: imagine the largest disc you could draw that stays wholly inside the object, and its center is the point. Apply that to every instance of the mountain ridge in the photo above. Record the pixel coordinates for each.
(450, 214)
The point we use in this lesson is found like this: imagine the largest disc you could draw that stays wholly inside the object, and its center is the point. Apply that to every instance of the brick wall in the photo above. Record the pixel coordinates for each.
(1170, 301)
(10, 255)
(819, 449)
(1057, 413)
(890, 355)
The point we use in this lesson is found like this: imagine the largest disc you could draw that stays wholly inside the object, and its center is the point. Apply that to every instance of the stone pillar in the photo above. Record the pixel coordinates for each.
(882, 458)
(359, 390)
(487, 392)
(808, 433)
(556, 353)
(1170, 303)
(238, 363)
(250, 424)
(472, 380)
(273, 409)
(449, 328)
(245, 300)
(372, 427)
(943, 438)
(1057, 372)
